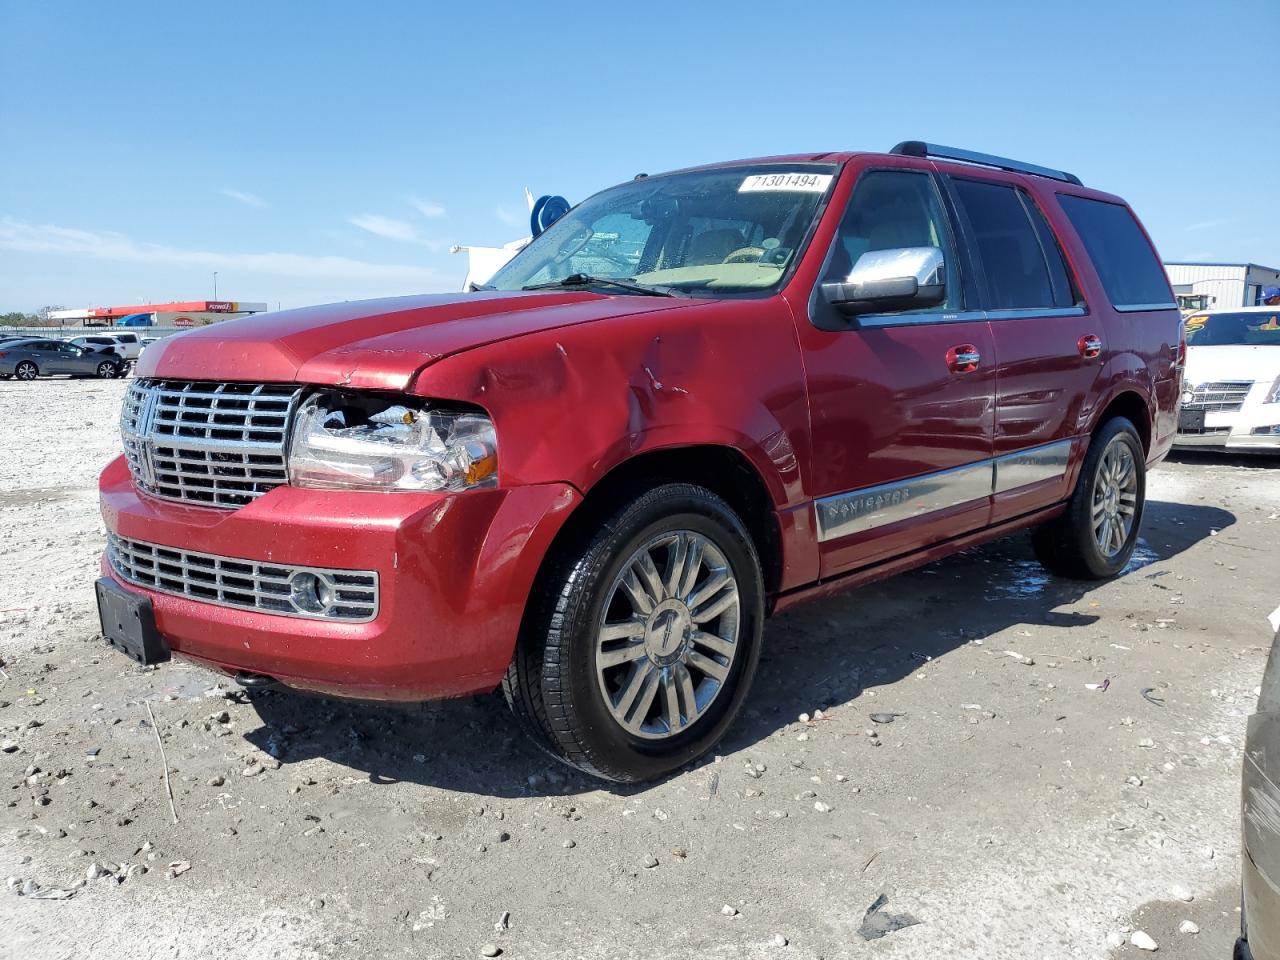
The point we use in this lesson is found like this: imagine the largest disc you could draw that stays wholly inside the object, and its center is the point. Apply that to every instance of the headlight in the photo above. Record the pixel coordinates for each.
(1273, 395)
(363, 442)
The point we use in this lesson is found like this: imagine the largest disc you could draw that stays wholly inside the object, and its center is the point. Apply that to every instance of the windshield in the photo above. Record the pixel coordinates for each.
(1251, 328)
(718, 231)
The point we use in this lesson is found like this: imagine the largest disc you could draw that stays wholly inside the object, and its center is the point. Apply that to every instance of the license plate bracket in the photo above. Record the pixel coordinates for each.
(129, 623)
(1191, 421)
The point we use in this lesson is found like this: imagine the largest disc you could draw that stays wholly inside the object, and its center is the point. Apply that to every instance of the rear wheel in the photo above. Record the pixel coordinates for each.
(641, 654)
(107, 370)
(26, 370)
(1095, 537)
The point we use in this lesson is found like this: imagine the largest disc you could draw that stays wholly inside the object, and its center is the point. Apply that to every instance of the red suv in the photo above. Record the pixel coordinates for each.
(695, 399)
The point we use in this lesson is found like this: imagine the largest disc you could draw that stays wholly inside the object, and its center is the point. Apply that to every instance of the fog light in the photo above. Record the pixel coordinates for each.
(310, 593)
(1272, 431)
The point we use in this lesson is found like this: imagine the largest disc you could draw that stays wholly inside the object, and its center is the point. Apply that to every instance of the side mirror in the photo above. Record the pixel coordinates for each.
(900, 279)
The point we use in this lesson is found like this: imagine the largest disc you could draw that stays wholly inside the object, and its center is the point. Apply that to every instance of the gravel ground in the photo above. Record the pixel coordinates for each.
(1009, 808)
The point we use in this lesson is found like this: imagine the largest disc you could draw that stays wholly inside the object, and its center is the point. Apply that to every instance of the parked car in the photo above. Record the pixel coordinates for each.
(590, 489)
(31, 358)
(1232, 398)
(1260, 819)
(127, 345)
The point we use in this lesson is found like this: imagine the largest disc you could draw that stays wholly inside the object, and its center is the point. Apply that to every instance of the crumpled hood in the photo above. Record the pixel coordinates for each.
(1243, 362)
(374, 344)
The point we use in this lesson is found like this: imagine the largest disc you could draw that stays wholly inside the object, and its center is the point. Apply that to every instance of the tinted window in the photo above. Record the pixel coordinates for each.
(1254, 328)
(1010, 247)
(1126, 264)
(891, 209)
(127, 337)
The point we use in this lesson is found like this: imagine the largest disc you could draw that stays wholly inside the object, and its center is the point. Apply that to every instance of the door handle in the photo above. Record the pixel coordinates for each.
(963, 358)
(1090, 346)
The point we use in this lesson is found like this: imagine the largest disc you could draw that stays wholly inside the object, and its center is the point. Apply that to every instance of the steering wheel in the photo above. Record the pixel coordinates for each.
(745, 255)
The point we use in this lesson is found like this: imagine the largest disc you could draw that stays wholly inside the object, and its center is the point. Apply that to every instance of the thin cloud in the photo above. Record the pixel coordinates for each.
(248, 199)
(387, 227)
(26, 237)
(1211, 224)
(512, 218)
(427, 208)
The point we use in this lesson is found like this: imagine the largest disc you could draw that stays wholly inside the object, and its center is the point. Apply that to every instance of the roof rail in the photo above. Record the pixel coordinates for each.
(918, 148)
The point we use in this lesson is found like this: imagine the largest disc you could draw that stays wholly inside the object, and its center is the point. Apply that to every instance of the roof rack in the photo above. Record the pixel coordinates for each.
(918, 148)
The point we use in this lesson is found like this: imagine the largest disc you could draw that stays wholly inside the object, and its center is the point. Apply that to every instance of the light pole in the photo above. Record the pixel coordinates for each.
(215, 284)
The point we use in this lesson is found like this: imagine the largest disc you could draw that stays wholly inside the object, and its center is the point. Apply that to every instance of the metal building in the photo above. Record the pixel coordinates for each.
(1220, 286)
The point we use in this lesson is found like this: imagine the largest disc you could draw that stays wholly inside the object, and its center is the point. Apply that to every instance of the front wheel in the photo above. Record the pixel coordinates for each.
(642, 653)
(26, 370)
(1095, 537)
(107, 370)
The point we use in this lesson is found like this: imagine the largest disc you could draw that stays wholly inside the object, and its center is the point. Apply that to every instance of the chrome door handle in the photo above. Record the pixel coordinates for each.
(1090, 346)
(963, 358)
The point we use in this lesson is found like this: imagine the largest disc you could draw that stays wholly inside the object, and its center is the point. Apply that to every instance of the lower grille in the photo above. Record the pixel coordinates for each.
(1219, 397)
(311, 592)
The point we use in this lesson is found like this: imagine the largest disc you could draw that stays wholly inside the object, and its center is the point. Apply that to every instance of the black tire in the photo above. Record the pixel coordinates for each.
(26, 370)
(552, 685)
(108, 370)
(1068, 545)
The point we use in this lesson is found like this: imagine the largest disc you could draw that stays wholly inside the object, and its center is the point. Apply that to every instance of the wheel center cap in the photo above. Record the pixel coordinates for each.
(667, 630)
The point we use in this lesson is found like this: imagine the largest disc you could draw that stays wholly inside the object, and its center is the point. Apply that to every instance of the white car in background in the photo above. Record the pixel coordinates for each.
(126, 345)
(1231, 398)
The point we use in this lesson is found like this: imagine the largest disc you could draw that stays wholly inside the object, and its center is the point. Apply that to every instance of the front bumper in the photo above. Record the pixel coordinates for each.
(454, 573)
(1254, 428)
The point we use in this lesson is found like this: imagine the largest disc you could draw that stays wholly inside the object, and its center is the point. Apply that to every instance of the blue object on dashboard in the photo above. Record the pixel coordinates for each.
(546, 211)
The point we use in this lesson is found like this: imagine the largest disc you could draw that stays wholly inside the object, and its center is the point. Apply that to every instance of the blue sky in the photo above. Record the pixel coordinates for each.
(325, 151)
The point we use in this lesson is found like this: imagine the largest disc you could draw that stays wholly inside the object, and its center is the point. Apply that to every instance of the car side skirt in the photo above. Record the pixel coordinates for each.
(896, 565)
(857, 511)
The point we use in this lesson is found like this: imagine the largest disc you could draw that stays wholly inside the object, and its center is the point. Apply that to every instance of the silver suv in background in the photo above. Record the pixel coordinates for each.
(127, 345)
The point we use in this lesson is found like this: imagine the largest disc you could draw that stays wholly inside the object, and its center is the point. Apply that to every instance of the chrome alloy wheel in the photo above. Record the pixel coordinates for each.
(668, 634)
(1115, 498)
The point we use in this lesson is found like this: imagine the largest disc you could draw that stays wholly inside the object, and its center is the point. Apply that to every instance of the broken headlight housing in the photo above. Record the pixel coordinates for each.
(351, 441)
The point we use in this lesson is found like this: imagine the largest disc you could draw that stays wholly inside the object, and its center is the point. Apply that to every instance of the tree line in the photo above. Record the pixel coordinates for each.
(40, 318)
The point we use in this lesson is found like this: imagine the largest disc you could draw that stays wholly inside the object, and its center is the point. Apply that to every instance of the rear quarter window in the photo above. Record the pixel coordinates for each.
(1127, 265)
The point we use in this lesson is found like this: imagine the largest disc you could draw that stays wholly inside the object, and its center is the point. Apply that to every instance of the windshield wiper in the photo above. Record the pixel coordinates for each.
(586, 280)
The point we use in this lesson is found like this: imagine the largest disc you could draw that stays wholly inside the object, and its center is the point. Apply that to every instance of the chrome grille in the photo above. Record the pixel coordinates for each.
(216, 444)
(347, 595)
(1219, 396)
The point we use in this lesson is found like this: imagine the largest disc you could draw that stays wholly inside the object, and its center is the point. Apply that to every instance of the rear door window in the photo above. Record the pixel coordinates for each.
(1020, 257)
(1130, 272)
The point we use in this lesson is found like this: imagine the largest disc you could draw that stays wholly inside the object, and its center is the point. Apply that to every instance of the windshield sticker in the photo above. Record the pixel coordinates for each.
(792, 182)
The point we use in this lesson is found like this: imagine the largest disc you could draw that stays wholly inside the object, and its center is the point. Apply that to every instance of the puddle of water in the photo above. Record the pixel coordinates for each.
(1026, 579)
(1143, 556)
(1021, 580)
